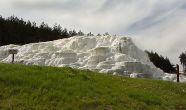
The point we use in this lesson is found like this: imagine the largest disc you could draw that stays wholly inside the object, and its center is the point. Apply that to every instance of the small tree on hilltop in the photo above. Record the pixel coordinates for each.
(90, 34)
(106, 34)
(80, 33)
(98, 34)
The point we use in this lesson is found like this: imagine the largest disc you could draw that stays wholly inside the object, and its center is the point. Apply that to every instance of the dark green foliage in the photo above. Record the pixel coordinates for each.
(17, 31)
(80, 33)
(51, 88)
(183, 60)
(90, 34)
(161, 62)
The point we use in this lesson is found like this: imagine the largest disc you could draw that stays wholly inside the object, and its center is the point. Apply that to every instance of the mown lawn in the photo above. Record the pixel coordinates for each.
(51, 88)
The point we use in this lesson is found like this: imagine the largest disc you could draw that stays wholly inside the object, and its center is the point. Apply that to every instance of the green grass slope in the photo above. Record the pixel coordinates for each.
(51, 88)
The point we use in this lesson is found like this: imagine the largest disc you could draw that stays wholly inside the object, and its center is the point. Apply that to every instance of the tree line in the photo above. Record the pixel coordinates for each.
(17, 31)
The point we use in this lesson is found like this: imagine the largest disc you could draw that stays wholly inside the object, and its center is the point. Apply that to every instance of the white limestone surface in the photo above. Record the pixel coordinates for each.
(116, 55)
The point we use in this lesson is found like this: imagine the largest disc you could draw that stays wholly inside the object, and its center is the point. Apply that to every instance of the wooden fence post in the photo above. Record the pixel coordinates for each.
(178, 73)
(12, 58)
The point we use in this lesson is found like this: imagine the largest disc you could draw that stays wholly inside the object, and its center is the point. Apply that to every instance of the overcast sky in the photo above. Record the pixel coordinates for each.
(158, 25)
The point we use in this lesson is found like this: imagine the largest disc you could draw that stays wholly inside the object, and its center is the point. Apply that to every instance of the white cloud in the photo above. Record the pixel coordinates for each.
(168, 37)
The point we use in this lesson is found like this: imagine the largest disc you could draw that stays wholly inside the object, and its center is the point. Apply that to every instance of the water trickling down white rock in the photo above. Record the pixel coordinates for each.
(107, 54)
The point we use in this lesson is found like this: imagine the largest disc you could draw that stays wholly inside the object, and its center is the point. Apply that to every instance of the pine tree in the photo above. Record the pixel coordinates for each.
(17, 31)
(160, 62)
(183, 60)
(80, 33)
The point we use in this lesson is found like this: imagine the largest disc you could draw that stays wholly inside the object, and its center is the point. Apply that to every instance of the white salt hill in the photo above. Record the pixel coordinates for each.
(115, 55)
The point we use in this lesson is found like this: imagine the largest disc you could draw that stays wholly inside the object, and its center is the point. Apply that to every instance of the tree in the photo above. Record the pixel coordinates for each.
(80, 33)
(65, 33)
(161, 62)
(98, 34)
(106, 34)
(72, 33)
(17, 31)
(183, 60)
(90, 34)
(57, 29)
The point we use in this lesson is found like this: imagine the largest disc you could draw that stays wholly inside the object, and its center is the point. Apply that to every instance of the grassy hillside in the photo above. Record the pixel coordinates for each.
(50, 88)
